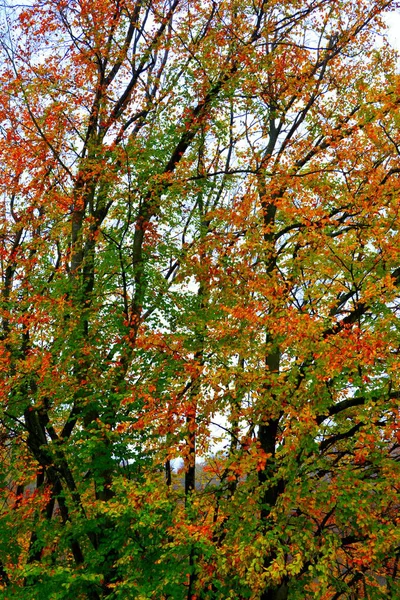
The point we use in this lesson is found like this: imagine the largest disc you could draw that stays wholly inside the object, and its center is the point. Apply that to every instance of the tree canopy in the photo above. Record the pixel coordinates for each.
(200, 292)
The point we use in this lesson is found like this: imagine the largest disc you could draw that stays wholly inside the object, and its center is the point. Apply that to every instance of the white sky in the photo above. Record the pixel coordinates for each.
(393, 20)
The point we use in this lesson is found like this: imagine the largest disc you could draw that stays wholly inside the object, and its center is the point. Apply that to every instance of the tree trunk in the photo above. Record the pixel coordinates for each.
(280, 593)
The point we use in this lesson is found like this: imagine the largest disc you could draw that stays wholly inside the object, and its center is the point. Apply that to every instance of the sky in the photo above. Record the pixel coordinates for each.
(393, 20)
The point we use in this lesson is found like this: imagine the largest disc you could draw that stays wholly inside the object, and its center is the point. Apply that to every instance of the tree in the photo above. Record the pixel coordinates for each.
(199, 232)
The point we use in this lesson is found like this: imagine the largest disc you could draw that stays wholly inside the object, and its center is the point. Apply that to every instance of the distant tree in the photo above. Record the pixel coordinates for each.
(199, 232)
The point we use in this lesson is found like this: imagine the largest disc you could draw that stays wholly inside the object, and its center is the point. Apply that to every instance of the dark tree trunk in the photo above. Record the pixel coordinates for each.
(279, 593)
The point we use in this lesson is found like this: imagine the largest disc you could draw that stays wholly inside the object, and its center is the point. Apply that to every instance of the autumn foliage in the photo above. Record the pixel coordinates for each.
(199, 304)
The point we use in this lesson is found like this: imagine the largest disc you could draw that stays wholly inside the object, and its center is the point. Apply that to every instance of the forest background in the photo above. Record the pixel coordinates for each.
(199, 249)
